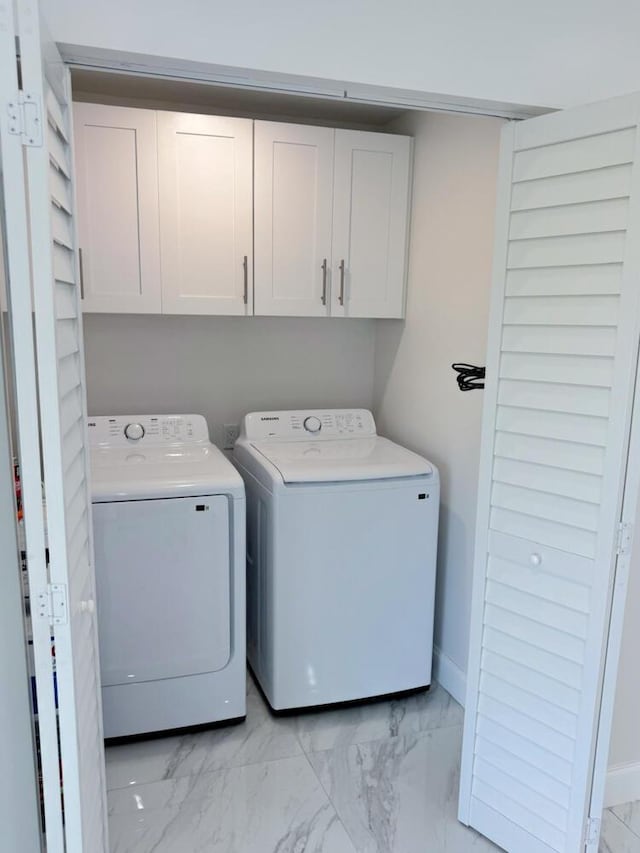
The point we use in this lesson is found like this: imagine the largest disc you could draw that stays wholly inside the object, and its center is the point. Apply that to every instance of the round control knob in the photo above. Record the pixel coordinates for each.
(134, 432)
(312, 424)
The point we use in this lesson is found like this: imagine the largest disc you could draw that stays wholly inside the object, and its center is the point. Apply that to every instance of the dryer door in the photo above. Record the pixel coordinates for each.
(163, 597)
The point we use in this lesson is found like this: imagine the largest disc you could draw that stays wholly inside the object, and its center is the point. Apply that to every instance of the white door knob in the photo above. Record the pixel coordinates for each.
(88, 606)
(535, 559)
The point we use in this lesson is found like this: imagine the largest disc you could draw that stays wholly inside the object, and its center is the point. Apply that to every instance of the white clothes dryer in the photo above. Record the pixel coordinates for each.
(341, 557)
(169, 536)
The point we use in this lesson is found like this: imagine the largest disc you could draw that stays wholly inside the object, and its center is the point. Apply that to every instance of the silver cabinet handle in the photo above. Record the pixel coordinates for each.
(324, 282)
(81, 267)
(341, 296)
(245, 267)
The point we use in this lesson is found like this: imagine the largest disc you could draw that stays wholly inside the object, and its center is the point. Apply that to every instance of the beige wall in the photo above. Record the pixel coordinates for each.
(224, 367)
(416, 397)
(546, 53)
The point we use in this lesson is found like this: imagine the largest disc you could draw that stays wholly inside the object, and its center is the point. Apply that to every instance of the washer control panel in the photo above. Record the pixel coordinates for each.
(309, 425)
(128, 430)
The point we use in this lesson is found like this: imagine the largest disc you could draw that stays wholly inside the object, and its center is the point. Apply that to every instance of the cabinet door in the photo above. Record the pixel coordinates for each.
(206, 213)
(293, 193)
(370, 220)
(117, 177)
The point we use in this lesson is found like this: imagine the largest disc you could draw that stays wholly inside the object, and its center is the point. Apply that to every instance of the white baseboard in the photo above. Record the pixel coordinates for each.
(450, 676)
(623, 784)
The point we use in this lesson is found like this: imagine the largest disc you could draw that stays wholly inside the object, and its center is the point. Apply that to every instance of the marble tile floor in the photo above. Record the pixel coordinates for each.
(621, 829)
(376, 778)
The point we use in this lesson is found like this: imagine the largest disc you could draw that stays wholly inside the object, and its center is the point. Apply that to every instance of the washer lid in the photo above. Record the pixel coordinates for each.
(340, 460)
(137, 472)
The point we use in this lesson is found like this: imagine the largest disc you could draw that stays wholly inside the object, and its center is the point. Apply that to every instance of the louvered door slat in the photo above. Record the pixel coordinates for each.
(560, 425)
(549, 367)
(546, 505)
(562, 311)
(562, 354)
(597, 185)
(577, 218)
(512, 810)
(557, 668)
(576, 340)
(541, 636)
(575, 155)
(66, 308)
(541, 610)
(59, 187)
(524, 749)
(58, 151)
(527, 727)
(547, 586)
(557, 397)
(586, 487)
(575, 250)
(528, 703)
(526, 772)
(63, 264)
(564, 281)
(541, 685)
(558, 453)
(513, 788)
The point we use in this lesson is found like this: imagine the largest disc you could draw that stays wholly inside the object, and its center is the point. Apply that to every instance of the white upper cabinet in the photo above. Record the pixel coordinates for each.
(293, 182)
(206, 211)
(172, 206)
(117, 190)
(370, 221)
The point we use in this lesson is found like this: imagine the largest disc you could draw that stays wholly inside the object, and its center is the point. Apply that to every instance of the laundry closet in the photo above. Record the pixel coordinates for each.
(218, 251)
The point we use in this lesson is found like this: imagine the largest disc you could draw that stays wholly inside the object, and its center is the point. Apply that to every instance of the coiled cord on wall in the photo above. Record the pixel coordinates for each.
(469, 376)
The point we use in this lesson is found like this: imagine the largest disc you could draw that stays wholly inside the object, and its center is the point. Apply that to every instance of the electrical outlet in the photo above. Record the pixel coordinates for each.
(231, 432)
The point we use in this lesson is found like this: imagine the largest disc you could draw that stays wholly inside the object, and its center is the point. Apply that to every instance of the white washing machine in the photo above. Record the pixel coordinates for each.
(341, 557)
(169, 531)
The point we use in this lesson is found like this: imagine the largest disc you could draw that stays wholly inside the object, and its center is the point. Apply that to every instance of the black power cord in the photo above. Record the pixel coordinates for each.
(469, 376)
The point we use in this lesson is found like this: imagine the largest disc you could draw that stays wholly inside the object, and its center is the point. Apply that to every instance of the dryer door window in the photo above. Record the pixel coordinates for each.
(163, 588)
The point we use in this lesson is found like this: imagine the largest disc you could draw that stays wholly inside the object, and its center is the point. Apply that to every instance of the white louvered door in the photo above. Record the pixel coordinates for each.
(62, 417)
(561, 369)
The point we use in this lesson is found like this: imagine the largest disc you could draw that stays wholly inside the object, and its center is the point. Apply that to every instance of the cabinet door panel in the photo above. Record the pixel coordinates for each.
(370, 219)
(293, 193)
(116, 164)
(205, 184)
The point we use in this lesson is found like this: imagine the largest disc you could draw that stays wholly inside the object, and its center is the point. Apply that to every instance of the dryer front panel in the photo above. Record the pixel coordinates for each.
(163, 588)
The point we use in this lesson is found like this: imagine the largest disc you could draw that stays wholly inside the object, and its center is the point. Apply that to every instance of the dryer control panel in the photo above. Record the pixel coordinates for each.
(147, 430)
(309, 424)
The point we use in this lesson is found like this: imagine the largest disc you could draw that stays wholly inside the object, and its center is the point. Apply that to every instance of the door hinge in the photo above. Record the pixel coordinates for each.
(52, 604)
(25, 118)
(592, 834)
(625, 535)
